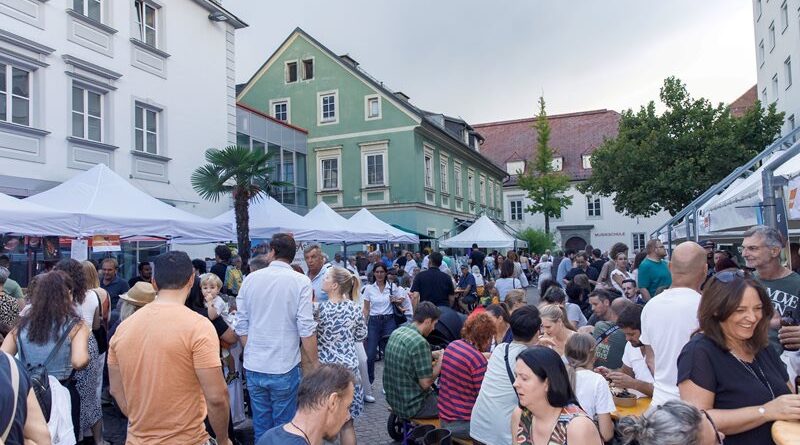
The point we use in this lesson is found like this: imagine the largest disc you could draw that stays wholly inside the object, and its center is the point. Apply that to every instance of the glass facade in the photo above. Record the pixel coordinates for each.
(287, 149)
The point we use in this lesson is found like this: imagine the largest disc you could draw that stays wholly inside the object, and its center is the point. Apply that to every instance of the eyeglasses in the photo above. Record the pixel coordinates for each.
(713, 425)
(729, 275)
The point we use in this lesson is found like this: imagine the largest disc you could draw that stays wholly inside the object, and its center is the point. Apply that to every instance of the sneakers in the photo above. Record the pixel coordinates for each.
(369, 399)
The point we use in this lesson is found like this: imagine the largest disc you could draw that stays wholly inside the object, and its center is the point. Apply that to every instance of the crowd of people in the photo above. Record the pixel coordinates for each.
(184, 353)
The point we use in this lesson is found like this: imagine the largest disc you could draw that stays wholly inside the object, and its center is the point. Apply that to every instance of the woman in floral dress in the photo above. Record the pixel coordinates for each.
(340, 325)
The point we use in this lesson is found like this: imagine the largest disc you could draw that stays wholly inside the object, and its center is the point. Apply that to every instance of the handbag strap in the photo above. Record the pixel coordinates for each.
(605, 334)
(99, 303)
(508, 367)
(60, 342)
(15, 386)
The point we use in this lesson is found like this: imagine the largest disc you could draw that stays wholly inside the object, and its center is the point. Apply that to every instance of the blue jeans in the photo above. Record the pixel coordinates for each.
(379, 326)
(273, 398)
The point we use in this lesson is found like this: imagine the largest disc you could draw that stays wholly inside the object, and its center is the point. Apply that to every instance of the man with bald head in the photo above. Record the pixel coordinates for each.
(670, 318)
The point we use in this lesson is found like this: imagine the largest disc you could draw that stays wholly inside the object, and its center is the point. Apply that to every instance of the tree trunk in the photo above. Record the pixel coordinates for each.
(241, 206)
(546, 223)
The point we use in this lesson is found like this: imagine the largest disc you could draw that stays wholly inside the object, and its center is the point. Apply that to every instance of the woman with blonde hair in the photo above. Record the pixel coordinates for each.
(556, 326)
(340, 326)
(515, 299)
(590, 388)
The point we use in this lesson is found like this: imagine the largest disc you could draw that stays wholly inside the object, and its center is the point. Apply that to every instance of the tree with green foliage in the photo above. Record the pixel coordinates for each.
(545, 187)
(241, 173)
(538, 240)
(665, 162)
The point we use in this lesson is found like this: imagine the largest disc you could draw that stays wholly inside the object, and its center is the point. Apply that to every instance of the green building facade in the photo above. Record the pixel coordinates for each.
(370, 147)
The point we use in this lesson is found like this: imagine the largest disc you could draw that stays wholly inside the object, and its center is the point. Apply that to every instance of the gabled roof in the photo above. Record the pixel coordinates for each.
(346, 61)
(571, 136)
(744, 102)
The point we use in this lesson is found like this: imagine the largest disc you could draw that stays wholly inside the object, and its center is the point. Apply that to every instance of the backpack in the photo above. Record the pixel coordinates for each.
(40, 379)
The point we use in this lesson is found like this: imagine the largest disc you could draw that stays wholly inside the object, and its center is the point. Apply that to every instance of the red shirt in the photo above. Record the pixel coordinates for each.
(463, 367)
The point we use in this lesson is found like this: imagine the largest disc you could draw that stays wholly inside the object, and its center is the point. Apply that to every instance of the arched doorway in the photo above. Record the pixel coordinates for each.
(576, 243)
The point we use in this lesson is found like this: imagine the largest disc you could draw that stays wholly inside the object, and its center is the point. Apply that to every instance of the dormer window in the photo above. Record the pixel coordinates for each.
(586, 161)
(515, 167)
(558, 164)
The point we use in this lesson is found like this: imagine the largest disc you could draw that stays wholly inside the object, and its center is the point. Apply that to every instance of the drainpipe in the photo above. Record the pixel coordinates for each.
(769, 186)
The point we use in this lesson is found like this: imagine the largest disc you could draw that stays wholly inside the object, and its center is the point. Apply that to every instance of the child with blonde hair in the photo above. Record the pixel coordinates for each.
(211, 285)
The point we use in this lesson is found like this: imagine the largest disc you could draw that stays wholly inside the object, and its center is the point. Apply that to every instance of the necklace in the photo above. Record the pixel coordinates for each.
(749, 369)
(304, 433)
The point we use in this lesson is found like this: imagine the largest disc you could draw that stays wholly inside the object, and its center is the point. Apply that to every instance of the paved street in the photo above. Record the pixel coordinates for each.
(370, 427)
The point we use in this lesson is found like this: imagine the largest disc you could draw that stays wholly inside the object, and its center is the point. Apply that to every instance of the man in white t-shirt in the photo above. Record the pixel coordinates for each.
(670, 318)
(634, 375)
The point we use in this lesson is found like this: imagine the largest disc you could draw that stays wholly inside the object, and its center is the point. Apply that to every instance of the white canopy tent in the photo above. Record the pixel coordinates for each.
(484, 233)
(27, 218)
(332, 227)
(365, 218)
(108, 204)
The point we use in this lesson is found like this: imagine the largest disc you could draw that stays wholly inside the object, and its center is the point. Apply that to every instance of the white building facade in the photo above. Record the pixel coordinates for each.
(143, 86)
(573, 137)
(777, 39)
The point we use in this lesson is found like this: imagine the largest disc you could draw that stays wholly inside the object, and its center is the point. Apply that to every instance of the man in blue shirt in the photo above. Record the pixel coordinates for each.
(317, 269)
(565, 266)
(467, 287)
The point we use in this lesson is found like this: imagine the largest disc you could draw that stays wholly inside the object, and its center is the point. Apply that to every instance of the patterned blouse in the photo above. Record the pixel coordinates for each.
(9, 309)
(559, 435)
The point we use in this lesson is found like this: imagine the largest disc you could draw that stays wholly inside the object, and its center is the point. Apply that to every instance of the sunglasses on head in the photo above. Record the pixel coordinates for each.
(713, 425)
(730, 275)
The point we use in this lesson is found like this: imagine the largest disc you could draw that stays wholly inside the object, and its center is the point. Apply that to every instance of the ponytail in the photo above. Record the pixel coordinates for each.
(348, 283)
(579, 351)
(355, 290)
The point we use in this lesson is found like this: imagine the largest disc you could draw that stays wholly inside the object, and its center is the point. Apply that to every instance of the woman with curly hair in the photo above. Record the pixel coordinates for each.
(52, 315)
(463, 366)
(87, 303)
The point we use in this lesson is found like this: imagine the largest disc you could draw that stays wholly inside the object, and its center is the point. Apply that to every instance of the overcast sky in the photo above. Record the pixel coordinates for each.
(490, 60)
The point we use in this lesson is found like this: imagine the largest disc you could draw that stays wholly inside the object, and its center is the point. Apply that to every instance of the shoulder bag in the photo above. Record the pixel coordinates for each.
(40, 380)
(101, 333)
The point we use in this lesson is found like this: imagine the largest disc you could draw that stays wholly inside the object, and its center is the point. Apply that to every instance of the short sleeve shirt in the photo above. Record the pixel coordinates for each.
(15, 436)
(407, 359)
(654, 275)
(609, 352)
(735, 384)
(593, 393)
(784, 293)
(279, 436)
(158, 350)
(463, 368)
(435, 286)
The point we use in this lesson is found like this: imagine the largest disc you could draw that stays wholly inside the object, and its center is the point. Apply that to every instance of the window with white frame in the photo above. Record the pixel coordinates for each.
(784, 16)
(443, 179)
(457, 179)
(308, 69)
(329, 169)
(372, 107)
(147, 21)
(557, 164)
(775, 86)
(375, 169)
(373, 161)
(280, 110)
(787, 71)
(515, 167)
(471, 184)
(328, 107)
(491, 193)
(482, 190)
(291, 72)
(87, 114)
(145, 129)
(761, 53)
(89, 8)
(764, 96)
(771, 36)
(593, 206)
(638, 241)
(586, 161)
(15, 94)
(515, 207)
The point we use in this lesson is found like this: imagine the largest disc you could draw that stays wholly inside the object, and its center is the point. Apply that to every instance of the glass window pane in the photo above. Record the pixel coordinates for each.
(3, 104)
(139, 139)
(150, 16)
(77, 5)
(287, 174)
(94, 129)
(19, 82)
(302, 197)
(151, 120)
(77, 125)
(94, 10)
(152, 143)
(274, 161)
(77, 99)
(242, 140)
(150, 36)
(138, 117)
(3, 77)
(20, 111)
(301, 169)
(93, 103)
(259, 147)
(288, 195)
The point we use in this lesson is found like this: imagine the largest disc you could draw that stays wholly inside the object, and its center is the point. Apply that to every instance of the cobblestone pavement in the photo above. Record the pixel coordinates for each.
(370, 427)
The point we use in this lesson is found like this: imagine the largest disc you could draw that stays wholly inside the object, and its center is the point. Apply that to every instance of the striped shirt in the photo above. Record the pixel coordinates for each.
(460, 381)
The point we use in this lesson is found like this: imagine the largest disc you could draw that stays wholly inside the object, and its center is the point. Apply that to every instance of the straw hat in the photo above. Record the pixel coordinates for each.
(140, 294)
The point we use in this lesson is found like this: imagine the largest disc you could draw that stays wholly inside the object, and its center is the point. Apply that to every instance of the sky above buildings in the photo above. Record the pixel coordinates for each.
(490, 60)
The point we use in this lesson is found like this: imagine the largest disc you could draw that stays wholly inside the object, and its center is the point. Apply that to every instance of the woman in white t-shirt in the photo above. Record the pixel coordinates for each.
(620, 272)
(590, 388)
(506, 282)
(544, 269)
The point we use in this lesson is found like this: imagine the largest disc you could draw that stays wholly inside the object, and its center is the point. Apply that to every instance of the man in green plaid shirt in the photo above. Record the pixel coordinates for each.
(410, 367)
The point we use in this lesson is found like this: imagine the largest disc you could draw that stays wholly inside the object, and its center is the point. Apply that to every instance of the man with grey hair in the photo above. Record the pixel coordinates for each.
(317, 269)
(761, 249)
(258, 262)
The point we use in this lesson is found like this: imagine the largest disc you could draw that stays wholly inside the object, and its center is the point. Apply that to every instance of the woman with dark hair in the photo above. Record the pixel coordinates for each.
(555, 295)
(52, 315)
(548, 413)
(545, 285)
(87, 305)
(729, 369)
(578, 293)
(502, 324)
(725, 263)
(506, 282)
(605, 273)
(637, 261)
(379, 298)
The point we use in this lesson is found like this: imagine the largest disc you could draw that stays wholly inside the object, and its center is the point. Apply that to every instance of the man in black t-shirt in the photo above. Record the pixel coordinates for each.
(433, 285)
(476, 258)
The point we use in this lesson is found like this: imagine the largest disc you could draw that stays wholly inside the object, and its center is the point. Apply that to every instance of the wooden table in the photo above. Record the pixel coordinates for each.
(786, 432)
(642, 404)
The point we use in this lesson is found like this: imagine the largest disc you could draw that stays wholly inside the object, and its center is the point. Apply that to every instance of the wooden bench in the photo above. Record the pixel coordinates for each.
(436, 424)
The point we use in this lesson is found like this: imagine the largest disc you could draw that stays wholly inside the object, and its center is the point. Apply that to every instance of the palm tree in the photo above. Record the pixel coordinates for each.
(242, 173)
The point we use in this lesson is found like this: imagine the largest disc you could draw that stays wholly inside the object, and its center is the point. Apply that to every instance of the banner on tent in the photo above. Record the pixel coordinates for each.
(106, 243)
(794, 198)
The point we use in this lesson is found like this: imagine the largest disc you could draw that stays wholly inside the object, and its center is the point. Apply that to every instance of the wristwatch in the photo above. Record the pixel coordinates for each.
(762, 410)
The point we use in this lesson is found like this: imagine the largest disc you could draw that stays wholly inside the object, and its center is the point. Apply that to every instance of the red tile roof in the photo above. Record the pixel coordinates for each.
(745, 101)
(571, 136)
